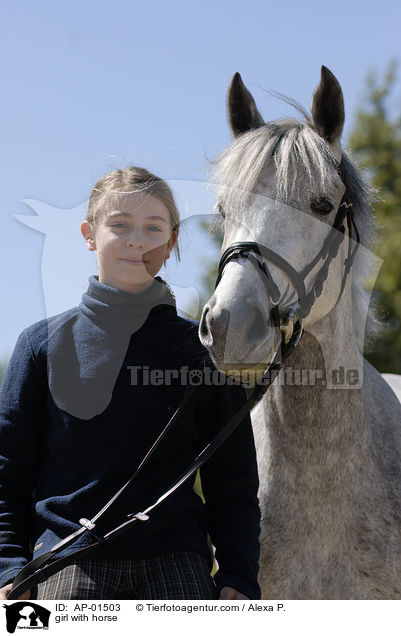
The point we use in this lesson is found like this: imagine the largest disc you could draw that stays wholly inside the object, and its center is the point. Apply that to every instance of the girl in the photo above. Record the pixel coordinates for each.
(85, 395)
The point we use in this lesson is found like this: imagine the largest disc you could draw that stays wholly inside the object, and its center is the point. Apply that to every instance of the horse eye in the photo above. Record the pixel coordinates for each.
(321, 206)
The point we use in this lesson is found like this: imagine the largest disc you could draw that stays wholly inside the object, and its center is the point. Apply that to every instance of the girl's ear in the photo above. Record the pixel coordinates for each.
(89, 235)
(170, 244)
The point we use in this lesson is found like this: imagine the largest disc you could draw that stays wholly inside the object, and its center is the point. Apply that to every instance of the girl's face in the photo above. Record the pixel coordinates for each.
(132, 242)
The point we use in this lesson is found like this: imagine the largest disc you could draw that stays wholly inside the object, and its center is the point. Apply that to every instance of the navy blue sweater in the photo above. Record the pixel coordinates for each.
(56, 467)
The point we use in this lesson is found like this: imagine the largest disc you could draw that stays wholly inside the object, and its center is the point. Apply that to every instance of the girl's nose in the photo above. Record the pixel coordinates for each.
(135, 239)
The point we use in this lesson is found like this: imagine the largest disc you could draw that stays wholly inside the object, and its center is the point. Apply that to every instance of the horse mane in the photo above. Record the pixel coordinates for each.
(297, 149)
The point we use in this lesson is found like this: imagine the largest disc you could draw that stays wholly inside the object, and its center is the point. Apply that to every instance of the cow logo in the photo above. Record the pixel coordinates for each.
(26, 615)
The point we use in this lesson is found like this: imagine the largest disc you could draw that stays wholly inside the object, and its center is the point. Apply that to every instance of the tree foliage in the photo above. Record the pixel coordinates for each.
(376, 144)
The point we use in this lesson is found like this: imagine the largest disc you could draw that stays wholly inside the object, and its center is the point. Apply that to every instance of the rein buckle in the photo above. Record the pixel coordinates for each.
(89, 525)
(291, 327)
(141, 516)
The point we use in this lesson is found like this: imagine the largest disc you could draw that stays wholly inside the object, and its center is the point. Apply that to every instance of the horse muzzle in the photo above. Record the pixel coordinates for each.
(238, 335)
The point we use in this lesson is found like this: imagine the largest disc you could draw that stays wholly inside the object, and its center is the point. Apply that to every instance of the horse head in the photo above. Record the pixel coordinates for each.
(281, 190)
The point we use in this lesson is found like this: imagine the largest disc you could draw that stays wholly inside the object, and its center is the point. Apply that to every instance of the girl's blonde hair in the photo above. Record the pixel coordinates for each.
(115, 184)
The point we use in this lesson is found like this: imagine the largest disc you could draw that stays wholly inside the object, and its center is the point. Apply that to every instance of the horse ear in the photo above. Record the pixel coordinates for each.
(242, 112)
(327, 107)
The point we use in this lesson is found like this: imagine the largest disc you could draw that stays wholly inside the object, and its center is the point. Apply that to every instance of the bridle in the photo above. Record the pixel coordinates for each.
(294, 315)
(40, 568)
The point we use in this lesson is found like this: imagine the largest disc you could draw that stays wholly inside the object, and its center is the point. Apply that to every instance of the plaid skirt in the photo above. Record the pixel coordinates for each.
(182, 575)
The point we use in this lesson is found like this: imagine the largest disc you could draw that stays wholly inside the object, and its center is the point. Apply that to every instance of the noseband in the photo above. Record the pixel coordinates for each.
(301, 308)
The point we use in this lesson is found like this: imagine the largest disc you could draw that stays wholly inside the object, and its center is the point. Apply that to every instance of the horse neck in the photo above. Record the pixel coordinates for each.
(319, 391)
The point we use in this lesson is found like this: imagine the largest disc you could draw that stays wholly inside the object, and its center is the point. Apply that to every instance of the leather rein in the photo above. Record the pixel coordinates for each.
(40, 568)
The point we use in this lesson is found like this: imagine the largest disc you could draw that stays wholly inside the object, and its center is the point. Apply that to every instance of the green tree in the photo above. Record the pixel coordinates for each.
(376, 144)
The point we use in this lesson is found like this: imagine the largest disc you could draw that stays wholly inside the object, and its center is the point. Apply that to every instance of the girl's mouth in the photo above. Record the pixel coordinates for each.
(133, 261)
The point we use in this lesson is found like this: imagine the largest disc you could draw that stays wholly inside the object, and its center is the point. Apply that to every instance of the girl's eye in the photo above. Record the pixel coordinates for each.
(154, 228)
(321, 206)
(119, 224)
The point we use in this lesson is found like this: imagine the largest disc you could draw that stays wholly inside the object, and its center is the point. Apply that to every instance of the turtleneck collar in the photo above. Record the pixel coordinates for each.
(85, 356)
(102, 302)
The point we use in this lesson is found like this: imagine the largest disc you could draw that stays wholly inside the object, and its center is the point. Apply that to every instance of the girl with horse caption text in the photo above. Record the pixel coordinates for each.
(74, 425)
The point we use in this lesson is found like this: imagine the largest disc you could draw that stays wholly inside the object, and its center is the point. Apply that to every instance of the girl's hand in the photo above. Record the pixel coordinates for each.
(229, 594)
(5, 591)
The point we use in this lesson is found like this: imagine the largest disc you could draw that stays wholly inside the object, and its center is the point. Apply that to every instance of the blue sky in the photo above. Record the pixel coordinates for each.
(90, 86)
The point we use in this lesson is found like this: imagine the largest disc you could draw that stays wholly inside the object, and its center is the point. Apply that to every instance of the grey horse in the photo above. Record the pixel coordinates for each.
(328, 431)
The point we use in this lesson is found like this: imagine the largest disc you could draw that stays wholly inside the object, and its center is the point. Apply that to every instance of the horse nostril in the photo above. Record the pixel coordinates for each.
(214, 326)
(203, 327)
